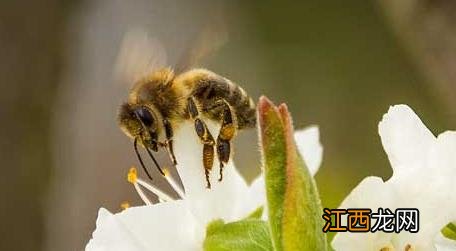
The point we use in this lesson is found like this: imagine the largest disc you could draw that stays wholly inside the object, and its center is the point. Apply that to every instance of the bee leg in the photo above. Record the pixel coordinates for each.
(169, 140)
(226, 134)
(205, 136)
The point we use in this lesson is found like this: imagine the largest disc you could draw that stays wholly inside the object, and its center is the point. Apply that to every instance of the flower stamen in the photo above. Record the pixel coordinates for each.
(387, 248)
(161, 195)
(409, 247)
(173, 183)
(125, 205)
(132, 177)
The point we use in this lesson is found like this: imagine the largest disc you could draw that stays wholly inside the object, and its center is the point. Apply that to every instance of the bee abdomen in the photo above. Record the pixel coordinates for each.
(244, 107)
(209, 91)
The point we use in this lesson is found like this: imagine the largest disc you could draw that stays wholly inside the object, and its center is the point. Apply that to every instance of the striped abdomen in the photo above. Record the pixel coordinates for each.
(208, 88)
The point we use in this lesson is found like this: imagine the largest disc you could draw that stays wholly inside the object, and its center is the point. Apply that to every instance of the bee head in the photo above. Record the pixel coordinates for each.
(141, 123)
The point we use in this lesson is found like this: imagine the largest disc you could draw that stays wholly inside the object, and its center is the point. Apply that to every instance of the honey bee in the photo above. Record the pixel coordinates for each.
(158, 103)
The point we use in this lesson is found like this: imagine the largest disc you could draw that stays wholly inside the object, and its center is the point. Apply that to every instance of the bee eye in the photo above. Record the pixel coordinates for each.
(145, 116)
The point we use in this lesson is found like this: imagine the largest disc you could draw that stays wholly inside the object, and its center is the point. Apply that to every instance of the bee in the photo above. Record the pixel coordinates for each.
(158, 103)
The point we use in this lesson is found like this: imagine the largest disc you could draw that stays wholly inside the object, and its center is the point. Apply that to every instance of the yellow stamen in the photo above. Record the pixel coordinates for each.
(409, 247)
(162, 195)
(387, 248)
(141, 194)
(132, 175)
(125, 205)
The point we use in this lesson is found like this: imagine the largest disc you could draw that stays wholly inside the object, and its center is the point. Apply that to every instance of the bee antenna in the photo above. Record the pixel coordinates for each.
(135, 144)
(155, 161)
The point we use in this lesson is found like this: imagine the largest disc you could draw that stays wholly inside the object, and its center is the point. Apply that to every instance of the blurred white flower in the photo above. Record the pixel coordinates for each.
(424, 171)
(181, 224)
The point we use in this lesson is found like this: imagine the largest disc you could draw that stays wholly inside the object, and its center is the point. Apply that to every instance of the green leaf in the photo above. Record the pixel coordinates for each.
(449, 231)
(248, 235)
(294, 205)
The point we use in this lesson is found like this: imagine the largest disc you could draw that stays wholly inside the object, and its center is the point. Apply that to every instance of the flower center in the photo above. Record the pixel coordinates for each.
(387, 248)
(407, 247)
(139, 184)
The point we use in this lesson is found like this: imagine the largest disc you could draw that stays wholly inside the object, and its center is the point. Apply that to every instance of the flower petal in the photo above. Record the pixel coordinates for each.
(164, 226)
(405, 138)
(362, 196)
(431, 189)
(444, 244)
(423, 178)
(440, 178)
(255, 198)
(442, 159)
(110, 234)
(308, 142)
(224, 198)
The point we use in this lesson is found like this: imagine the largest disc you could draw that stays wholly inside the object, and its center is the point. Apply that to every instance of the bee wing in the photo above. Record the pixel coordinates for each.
(139, 54)
(212, 37)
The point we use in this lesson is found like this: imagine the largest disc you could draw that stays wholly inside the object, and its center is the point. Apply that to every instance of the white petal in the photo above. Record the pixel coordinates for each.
(442, 160)
(308, 142)
(164, 226)
(361, 241)
(224, 198)
(372, 193)
(111, 235)
(362, 195)
(441, 176)
(405, 138)
(255, 198)
(431, 189)
(444, 244)
(424, 170)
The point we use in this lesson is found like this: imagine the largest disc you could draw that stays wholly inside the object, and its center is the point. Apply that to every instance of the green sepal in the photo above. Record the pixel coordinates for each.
(294, 207)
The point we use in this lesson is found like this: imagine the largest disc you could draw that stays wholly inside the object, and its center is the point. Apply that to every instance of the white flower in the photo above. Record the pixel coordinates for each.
(424, 172)
(181, 224)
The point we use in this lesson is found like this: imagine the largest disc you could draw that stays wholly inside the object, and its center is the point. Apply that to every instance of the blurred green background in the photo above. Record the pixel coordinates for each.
(337, 64)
